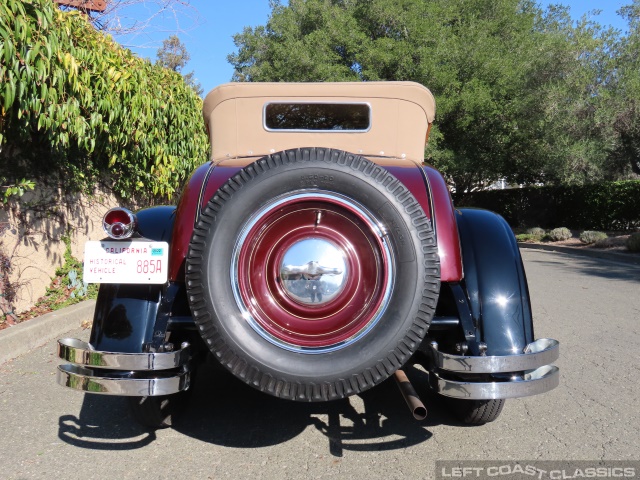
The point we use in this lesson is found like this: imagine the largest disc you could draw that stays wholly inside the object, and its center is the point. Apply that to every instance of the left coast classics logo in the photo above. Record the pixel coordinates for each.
(541, 470)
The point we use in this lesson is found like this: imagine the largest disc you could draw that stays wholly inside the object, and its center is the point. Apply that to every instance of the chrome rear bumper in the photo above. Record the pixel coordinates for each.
(520, 375)
(127, 374)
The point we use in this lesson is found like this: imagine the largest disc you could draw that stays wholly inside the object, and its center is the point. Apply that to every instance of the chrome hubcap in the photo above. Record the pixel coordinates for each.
(313, 271)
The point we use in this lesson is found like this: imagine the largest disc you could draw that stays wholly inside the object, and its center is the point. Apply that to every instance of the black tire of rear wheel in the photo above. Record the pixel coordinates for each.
(152, 412)
(478, 412)
(157, 412)
(326, 376)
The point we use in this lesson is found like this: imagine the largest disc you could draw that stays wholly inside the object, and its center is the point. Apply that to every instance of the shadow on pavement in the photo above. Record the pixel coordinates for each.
(104, 423)
(226, 412)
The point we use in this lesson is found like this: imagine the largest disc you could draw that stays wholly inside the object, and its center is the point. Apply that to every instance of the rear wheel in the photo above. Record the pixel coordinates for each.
(313, 274)
(160, 411)
(157, 412)
(478, 412)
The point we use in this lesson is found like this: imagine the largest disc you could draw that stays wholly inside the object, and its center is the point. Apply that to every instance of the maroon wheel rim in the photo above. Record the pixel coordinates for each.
(275, 306)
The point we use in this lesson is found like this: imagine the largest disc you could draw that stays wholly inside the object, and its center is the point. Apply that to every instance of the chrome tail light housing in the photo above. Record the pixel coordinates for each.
(119, 223)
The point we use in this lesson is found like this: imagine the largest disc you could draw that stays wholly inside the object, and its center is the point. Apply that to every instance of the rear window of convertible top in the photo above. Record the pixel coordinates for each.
(317, 117)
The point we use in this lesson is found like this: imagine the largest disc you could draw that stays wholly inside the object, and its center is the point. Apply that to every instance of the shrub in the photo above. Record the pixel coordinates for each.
(527, 237)
(599, 206)
(633, 242)
(590, 236)
(536, 232)
(561, 233)
(611, 242)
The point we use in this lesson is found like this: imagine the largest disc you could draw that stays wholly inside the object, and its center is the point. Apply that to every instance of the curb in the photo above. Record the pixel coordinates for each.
(24, 337)
(614, 256)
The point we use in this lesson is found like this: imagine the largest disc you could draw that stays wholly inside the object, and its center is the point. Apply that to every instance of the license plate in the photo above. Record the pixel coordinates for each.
(126, 262)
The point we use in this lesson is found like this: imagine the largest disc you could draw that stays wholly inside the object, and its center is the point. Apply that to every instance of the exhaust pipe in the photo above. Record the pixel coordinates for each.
(418, 410)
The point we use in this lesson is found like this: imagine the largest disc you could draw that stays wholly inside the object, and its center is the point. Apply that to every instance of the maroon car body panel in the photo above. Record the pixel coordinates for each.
(446, 227)
(426, 185)
(185, 220)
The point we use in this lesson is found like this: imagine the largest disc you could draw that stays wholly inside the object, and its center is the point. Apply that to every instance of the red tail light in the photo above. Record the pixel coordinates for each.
(119, 223)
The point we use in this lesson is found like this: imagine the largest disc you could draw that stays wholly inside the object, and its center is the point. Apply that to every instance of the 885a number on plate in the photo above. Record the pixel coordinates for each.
(149, 266)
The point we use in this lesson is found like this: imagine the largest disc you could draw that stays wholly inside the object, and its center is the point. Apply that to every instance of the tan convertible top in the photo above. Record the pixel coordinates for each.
(401, 113)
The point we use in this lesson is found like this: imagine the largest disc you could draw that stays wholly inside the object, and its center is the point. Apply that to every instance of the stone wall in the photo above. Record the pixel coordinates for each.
(32, 231)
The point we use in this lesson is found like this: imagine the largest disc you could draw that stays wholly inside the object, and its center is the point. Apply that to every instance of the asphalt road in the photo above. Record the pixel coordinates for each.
(230, 431)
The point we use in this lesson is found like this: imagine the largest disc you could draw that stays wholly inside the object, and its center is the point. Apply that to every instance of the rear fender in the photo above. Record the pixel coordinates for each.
(495, 282)
(156, 223)
(124, 317)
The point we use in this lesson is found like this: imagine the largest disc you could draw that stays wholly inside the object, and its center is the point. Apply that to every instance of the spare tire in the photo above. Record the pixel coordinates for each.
(313, 274)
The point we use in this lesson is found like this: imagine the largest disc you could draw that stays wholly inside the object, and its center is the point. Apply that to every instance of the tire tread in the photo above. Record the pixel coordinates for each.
(479, 412)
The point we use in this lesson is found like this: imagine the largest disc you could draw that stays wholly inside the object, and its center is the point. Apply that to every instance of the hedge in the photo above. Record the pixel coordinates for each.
(75, 105)
(602, 206)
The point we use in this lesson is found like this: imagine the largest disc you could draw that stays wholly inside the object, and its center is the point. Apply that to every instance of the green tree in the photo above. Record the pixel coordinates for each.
(174, 55)
(626, 88)
(571, 80)
(519, 90)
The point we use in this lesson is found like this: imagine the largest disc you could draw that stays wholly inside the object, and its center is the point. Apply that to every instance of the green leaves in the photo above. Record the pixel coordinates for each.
(75, 105)
(17, 189)
(521, 93)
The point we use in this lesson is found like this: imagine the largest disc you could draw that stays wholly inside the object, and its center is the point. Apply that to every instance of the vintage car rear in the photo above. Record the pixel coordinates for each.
(314, 256)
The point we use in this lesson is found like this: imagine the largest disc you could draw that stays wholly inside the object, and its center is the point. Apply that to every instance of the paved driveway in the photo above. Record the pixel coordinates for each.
(230, 431)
